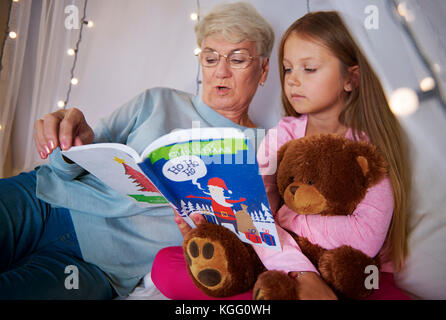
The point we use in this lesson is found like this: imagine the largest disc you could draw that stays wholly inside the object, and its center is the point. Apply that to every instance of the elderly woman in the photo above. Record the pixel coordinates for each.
(215, 33)
(63, 233)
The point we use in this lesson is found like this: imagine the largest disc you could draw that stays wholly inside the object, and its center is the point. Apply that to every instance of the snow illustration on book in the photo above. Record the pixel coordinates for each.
(247, 223)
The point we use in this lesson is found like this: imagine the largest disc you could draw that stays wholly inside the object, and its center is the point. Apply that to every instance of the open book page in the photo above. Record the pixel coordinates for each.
(116, 165)
(216, 175)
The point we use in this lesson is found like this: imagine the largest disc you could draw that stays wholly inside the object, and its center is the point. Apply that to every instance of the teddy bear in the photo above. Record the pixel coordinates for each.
(322, 174)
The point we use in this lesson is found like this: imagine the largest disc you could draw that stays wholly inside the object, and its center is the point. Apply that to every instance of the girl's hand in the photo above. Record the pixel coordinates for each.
(313, 287)
(183, 226)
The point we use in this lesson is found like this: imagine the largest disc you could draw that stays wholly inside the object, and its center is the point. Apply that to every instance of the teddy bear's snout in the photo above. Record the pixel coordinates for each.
(304, 199)
(293, 189)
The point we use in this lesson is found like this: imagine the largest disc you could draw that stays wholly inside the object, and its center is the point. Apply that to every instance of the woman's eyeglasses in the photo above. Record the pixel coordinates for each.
(237, 59)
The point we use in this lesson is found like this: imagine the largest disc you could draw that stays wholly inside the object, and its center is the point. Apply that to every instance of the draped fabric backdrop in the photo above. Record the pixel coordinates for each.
(140, 44)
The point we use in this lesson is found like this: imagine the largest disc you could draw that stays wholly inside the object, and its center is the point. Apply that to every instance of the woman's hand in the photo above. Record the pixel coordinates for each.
(183, 226)
(313, 287)
(63, 128)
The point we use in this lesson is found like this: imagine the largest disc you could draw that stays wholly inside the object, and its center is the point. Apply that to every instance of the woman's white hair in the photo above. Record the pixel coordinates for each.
(237, 22)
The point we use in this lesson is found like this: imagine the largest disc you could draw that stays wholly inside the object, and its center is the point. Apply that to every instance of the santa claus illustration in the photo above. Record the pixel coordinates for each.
(221, 205)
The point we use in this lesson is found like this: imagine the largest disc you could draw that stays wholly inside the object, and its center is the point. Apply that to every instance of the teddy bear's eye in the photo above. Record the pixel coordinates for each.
(310, 182)
(291, 179)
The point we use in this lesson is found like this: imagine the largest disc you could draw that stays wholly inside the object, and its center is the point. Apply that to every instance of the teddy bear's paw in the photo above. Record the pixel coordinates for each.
(219, 263)
(275, 285)
(344, 268)
(207, 262)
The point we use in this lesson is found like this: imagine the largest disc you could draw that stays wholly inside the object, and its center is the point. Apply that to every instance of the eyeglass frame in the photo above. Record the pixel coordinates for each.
(226, 56)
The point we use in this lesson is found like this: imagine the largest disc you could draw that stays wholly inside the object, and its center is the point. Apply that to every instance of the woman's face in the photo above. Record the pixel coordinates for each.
(231, 90)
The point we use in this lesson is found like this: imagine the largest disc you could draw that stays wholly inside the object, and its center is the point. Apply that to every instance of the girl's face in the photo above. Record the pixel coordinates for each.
(314, 82)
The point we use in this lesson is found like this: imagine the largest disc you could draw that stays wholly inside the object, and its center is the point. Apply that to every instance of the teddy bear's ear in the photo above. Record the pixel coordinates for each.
(364, 164)
(370, 161)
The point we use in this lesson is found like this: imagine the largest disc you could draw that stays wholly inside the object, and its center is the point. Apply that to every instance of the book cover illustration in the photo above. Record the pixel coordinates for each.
(116, 167)
(219, 179)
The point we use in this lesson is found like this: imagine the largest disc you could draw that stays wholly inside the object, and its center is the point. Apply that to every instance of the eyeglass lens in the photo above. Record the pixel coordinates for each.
(237, 59)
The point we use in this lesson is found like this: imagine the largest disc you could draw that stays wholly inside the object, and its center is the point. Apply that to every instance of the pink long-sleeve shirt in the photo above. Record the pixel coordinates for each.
(365, 229)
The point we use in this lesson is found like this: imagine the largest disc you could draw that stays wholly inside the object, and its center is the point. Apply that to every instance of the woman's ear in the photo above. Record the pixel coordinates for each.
(265, 69)
(352, 80)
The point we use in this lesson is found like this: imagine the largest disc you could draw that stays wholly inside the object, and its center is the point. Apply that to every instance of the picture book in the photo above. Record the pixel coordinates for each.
(207, 171)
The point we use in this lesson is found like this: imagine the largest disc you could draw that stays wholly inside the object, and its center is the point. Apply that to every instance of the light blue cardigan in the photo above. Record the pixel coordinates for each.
(113, 232)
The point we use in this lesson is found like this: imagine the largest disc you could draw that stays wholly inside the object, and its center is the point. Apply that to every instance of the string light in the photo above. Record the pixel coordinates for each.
(194, 16)
(89, 23)
(61, 104)
(404, 101)
(74, 52)
(427, 84)
(197, 51)
(401, 8)
(8, 35)
(405, 12)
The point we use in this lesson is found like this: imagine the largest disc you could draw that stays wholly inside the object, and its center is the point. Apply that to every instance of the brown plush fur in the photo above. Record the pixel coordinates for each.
(323, 174)
(275, 285)
(329, 165)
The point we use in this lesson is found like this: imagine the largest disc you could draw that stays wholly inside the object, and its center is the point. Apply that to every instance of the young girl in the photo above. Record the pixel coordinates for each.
(329, 87)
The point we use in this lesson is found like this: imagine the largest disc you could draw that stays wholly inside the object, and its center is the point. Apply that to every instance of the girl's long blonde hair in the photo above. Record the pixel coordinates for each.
(366, 110)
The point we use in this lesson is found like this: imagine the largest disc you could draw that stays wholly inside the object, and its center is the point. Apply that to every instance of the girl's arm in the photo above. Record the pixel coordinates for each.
(365, 229)
(267, 159)
(289, 259)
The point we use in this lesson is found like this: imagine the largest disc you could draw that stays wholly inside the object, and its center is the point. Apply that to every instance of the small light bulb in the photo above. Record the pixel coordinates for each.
(402, 10)
(1, 127)
(74, 81)
(15, 0)
(197, 51)
(194, 16)
(12, 35)
(427, 84)
(403, 101)
(61, 103)
(71, 52)
(90, 24)
(405, 12)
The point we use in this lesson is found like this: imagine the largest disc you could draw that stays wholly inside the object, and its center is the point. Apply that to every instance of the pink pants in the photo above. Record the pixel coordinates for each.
(169, 274)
